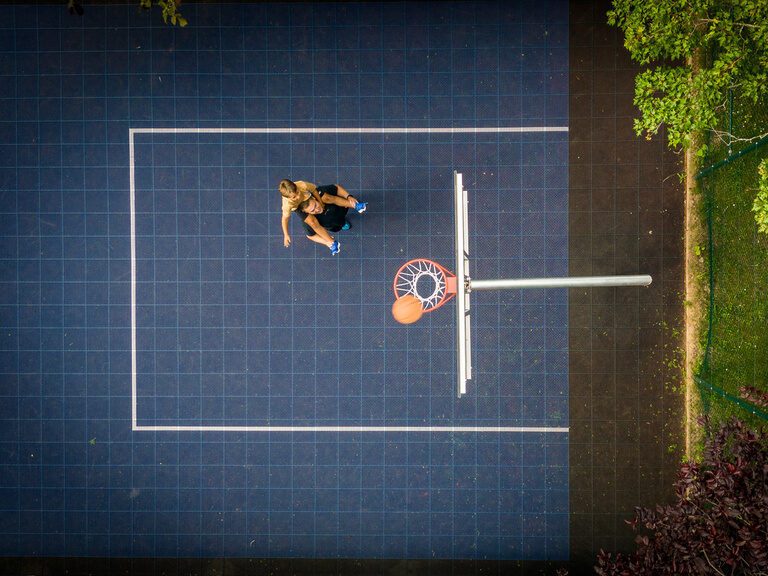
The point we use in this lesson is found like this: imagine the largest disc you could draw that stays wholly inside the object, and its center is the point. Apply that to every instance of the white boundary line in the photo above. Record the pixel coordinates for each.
(358, 130)
(132, 182)
(494, 429)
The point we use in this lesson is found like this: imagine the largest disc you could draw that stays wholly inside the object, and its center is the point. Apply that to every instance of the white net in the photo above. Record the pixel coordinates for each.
(425, 280)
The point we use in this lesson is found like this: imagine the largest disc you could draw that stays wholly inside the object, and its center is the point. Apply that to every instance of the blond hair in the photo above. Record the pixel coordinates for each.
(287, 188)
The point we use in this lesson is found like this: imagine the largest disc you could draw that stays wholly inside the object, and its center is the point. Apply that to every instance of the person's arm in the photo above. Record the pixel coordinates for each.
(313, 190)
(322, 234)
(286, 236)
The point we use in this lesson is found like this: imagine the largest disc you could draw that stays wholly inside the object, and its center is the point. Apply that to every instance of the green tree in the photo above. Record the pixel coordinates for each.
(695, 50)
(760, 205)
(170, 10)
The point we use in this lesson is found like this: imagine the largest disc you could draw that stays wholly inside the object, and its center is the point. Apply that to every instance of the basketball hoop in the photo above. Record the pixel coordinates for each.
(429, 284)
(432, 284)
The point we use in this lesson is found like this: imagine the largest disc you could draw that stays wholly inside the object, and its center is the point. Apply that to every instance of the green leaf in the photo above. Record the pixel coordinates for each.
(760, 204)
(733, 34)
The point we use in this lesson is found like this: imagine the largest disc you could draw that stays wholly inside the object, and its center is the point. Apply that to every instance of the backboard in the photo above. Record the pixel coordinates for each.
(463, 330)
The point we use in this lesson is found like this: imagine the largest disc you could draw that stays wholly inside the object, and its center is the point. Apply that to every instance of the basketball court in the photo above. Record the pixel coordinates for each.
(374, 424)
(180, 384)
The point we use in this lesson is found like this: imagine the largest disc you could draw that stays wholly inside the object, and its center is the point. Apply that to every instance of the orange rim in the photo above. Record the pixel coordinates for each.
(408, 275)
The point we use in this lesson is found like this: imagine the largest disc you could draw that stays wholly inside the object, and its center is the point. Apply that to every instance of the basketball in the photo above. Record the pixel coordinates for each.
(407, 309)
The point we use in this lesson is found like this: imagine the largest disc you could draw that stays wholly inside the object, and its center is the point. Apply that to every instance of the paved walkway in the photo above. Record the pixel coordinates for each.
(626, 217)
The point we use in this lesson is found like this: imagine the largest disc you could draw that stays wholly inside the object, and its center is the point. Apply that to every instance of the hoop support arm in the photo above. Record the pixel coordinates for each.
(575, 282)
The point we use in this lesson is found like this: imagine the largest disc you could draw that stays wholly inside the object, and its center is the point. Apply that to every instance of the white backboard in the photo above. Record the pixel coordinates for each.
(463, 334)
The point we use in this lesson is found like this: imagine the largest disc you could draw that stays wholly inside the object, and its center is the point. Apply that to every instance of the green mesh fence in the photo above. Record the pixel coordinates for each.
(734, 372)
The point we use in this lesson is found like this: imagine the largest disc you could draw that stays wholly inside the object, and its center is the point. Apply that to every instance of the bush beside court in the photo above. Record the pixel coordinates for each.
(719, 521)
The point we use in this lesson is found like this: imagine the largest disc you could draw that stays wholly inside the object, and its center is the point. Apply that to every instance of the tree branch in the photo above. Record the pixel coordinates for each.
(710, 563)
(740, 24)
(726, 136)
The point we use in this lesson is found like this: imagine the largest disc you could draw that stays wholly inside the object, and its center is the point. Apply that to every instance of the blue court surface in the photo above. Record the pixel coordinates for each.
(176, 382)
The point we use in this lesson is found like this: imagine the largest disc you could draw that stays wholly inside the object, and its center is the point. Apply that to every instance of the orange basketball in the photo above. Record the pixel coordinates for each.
(407, 309)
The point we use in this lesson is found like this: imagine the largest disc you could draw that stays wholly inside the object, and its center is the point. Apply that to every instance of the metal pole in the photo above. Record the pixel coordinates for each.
(576, 282)
(730, 121)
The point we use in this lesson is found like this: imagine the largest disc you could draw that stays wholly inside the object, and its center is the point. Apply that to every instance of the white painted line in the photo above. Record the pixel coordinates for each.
(492, 429)
(358, 130)
(133, 278)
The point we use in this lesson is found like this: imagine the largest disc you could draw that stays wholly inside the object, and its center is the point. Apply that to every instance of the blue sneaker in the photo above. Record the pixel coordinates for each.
(347, 225)
(361, 206)
(335, 248)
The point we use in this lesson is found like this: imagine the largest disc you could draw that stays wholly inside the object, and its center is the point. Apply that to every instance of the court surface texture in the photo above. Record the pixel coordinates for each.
(177, 382)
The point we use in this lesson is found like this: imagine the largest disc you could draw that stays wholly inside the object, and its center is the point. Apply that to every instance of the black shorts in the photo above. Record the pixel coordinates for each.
(328, 189)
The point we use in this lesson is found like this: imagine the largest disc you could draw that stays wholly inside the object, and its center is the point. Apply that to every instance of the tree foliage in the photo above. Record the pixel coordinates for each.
(170, 10)
(699, 50)
(719, 523)
(760, 207)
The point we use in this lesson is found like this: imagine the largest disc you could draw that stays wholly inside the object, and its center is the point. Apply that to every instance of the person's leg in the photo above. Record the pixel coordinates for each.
(334, 246)
(342, 198)
(314, 238)
(349, 201)
(330, 195)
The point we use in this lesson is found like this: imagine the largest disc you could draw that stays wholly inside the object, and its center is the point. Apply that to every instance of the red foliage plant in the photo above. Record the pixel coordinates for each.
(756, 396)
(719, 522)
